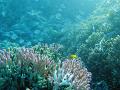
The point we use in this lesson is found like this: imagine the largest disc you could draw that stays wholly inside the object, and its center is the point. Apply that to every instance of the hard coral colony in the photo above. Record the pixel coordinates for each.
(26, 69)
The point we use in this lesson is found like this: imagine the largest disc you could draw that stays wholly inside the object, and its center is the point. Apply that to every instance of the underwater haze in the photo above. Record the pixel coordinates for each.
(59, 44)
(28, 22)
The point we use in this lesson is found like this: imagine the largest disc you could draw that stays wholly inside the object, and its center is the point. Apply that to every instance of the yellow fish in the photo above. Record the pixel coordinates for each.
(73, 56)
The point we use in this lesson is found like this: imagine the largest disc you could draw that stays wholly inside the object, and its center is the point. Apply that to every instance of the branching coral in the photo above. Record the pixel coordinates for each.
(52, 50)
(4, 56)
(71, 73)
(43, 64)
(32, 68)
(24, 68)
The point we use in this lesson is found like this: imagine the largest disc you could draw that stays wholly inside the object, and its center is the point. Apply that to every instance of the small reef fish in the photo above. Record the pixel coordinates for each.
(73, 56)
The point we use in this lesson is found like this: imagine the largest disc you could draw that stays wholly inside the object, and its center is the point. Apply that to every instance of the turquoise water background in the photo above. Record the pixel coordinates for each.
(29, 22)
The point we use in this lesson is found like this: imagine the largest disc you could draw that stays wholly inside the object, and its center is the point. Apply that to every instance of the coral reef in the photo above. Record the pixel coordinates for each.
(96, 41)
(24, 69)
(71, 73)
(37, 68)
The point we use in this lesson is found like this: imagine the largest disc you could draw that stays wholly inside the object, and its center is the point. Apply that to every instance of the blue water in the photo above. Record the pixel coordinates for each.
(28, 22)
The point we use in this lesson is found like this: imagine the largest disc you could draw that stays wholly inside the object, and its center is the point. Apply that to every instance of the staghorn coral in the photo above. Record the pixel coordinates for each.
(4, 56)
(28, 68)
(43, 63)
(53, 51)
(71, 73)
(24, 69)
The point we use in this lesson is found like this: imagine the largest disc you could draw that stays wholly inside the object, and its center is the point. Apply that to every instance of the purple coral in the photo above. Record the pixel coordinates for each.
(68, 73)
(4, 56)
(72, 73)
(42, 63)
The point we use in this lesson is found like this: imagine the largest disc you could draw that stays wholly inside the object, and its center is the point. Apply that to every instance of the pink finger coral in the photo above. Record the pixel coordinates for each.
(71, 73)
